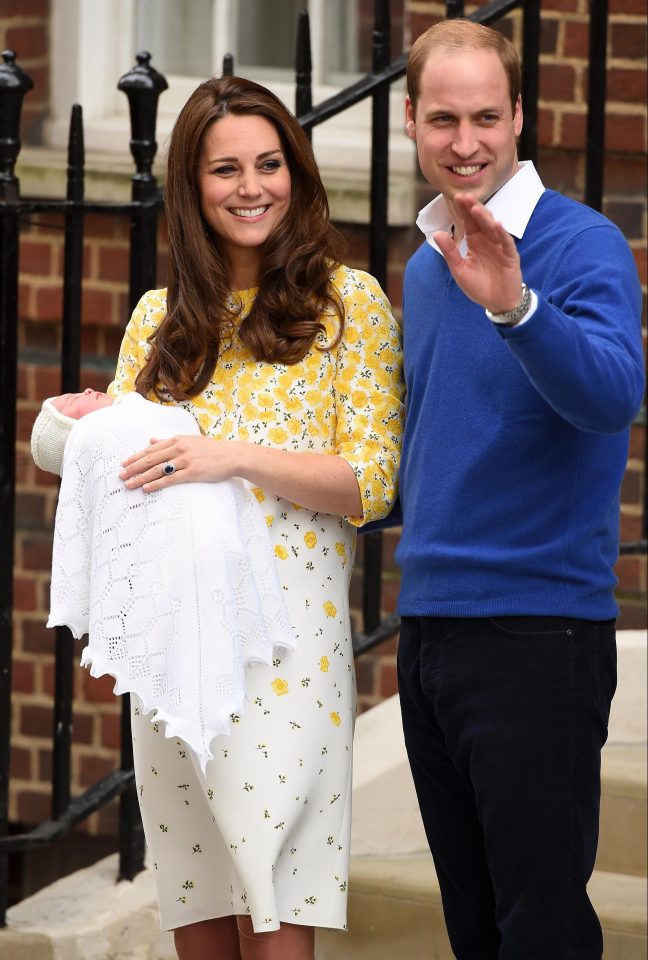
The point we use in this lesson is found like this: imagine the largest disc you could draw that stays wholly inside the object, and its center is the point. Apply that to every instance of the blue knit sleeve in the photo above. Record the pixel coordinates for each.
(582, 347)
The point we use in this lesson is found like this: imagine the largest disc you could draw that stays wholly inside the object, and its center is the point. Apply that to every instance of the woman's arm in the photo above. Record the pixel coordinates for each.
(321, 482)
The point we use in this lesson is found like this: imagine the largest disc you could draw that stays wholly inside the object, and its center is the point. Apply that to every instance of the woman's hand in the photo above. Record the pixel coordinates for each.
(194, 459)
(321, 482)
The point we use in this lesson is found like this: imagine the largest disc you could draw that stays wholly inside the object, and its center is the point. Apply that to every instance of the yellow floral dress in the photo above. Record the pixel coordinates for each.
(266, 832)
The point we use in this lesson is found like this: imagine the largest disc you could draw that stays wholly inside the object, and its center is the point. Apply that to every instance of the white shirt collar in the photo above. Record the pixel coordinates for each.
(512, 205)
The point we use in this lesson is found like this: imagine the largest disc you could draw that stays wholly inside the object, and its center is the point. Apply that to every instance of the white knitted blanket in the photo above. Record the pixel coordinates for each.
(177, 590)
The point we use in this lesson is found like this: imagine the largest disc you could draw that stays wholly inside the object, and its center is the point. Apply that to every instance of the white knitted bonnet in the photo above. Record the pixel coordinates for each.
(49, 436)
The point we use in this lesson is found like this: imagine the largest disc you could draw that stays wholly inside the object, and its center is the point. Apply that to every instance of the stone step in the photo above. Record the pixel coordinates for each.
(622, 841)
(395, 912)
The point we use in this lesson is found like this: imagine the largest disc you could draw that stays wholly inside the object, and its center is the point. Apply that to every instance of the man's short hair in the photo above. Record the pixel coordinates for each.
(454, 36)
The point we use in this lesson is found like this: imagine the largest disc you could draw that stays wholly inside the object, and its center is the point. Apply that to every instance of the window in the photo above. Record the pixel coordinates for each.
(94, 43)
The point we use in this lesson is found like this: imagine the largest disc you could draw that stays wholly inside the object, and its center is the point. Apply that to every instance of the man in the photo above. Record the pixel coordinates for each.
(523, 366)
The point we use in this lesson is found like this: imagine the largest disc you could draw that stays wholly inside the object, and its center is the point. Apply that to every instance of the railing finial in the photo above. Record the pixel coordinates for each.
(143, 86)
(14, 84)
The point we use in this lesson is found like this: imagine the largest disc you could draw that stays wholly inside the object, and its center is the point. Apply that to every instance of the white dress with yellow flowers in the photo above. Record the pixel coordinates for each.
(266, 831)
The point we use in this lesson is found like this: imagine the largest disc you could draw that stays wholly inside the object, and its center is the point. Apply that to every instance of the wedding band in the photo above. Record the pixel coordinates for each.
(168, 468)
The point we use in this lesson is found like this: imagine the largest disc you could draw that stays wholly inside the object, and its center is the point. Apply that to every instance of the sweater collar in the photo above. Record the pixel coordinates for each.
(512, 205)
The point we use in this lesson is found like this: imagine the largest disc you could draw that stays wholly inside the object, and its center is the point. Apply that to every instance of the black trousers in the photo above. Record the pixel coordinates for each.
(504, 722)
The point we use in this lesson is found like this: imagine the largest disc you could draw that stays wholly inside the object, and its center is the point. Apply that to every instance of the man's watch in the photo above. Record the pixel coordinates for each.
(510, 317)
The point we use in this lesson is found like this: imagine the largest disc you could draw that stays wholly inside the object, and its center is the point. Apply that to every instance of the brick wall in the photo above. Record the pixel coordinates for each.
(24, 26)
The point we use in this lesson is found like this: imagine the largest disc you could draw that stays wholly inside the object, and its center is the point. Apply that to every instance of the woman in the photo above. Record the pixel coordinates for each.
(290, 363)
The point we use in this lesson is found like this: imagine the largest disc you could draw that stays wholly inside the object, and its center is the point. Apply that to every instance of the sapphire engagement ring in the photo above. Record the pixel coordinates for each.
(168, 468)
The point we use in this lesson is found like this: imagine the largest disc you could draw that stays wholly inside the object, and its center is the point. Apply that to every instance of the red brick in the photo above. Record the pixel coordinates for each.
(22, 676)
(111, 730)
(629, 7)
(36, 258)
(548, 36)
(113, 264)
(388, 680)
(108, 820)
(27, 8)
(365, 674)
(93, 768)
(637, 442)
(33, 807)
(37, 638)
(98, 689)
(625, 175)
(641, 260)
(82, 727)
(576, 39)
(631, 571)
(45, 765)
(47, 382)
(98, 306)
(49, 303)
(625, 132)
(557, 82)
(29, 42)
(20, 768)
(107, 227)
(631, 528)
(628, 86)
(633, 614)
(30, 511)
(35, 721)
(37, 554)
(24, 591)
(628, 40)
(566, 6)
(572, 130)
(546, 127)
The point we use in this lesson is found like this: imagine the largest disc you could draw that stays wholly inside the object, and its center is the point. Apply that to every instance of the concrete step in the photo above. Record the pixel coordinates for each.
(395, 912)
(623, 844)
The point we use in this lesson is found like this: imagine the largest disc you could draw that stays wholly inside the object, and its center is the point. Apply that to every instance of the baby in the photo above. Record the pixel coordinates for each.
(176, 589)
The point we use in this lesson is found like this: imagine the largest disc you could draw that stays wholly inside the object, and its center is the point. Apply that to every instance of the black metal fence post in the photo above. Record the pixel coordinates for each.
(14, 84)
(378, 251)
(143, 86)
(70, 379)
(303, 69)
(595, 150)
(530, 76)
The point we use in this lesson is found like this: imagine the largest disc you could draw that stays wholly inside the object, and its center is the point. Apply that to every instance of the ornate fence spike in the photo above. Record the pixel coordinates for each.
(303, 67)
(14, 84)
(143, 86)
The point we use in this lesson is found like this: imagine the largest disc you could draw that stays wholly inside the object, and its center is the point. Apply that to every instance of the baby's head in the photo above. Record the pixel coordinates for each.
(53, 424)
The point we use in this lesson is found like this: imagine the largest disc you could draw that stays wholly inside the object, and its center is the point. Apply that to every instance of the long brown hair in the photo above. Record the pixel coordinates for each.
(297, 259)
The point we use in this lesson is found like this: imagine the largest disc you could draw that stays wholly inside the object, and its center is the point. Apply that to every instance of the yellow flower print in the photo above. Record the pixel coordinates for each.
(292, 403)
(324, 664)
(310, 539)
(335, 718)
(269, 519)
(329, 608)
(259, 494)
(359, 399)
(294, 426)
(351, 335)
(281, 552)
(313, 398)
(340, 549)
(280, 686)
(264, 399)
(277, 435)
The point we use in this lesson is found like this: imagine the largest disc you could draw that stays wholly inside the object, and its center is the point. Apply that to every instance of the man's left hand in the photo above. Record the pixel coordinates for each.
(490, 272)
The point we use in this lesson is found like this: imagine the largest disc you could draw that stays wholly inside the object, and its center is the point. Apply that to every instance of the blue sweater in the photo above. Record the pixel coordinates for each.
(516, 439)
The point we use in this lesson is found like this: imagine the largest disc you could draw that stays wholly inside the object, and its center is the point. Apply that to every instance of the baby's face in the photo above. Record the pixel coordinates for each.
(76, 405)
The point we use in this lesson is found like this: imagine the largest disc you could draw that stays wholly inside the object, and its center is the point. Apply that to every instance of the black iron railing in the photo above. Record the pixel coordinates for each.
(143, 86)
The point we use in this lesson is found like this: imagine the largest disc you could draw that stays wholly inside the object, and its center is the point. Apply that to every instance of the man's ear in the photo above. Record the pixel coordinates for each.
(518, 117)
(410, 125)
